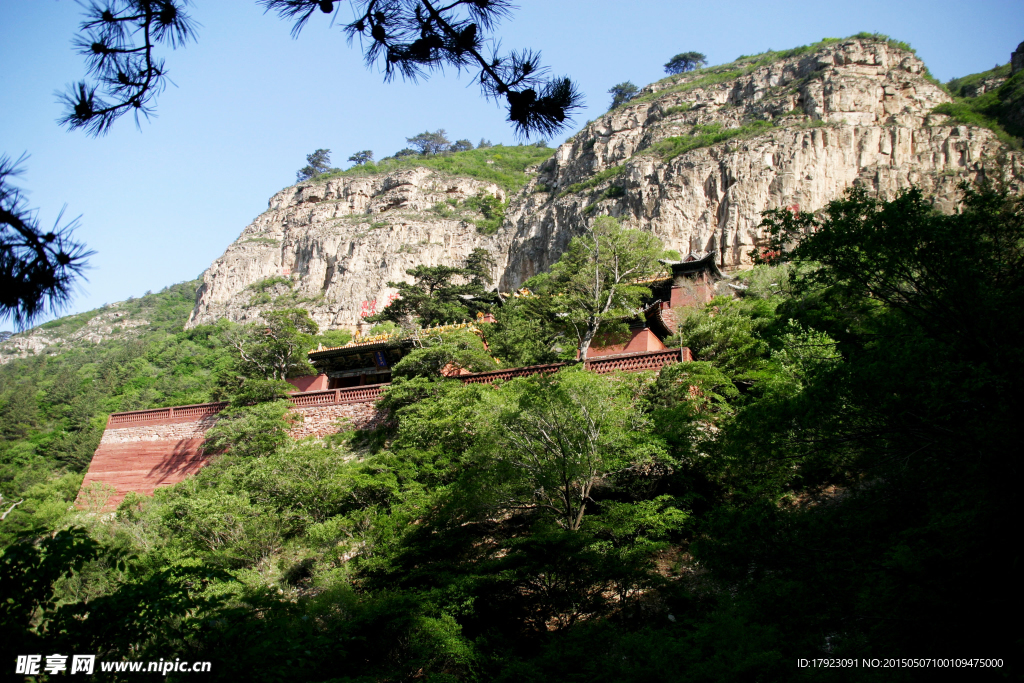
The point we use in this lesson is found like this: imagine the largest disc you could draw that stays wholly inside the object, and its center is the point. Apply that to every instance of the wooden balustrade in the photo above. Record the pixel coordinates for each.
(633, 362)
(636, 362)
(174, 413)
(511, 373)
(328, 397)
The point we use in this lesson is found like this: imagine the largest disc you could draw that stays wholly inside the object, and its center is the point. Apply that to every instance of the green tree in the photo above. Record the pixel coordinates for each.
(360, 158)
(553, 440)
(597, 276)
(526, 331)
(685, 61)
(316, 163)
(430, 143)
(622, 93)
(250, 431)
(452, 351)
(276, 347)
(462, 146)
(441, 294)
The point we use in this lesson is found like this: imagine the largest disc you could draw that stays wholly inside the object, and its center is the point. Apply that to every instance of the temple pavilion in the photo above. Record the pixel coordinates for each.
(368, 360)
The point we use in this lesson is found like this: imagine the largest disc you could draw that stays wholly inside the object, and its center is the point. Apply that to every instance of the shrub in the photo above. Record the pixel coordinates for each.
(705, 136)
(594, 180)
(502, 165)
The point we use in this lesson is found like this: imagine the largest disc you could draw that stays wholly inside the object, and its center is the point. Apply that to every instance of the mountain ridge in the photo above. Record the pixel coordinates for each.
(694, 159)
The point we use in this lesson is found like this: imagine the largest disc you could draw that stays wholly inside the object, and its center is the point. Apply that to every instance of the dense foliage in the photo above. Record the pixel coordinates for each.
(831, 477)
(1001, 109)
(441, 294)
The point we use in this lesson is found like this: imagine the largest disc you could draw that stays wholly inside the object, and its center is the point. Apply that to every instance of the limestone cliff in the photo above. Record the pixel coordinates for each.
(333, 246)
(853, 112)
(694, 159)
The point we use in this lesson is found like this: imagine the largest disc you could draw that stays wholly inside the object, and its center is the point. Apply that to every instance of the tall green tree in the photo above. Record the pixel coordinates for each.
(316, 163)
(430, 143)
(363, 157)
(596, 277)
(685, 61)
(554, 440)
(275, 348)
(442, 294)
(622, 93)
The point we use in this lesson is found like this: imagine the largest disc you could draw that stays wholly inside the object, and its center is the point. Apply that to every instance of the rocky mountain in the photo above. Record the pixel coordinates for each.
(114, 321)
(694, 158)
(785, 130)
(332, 247)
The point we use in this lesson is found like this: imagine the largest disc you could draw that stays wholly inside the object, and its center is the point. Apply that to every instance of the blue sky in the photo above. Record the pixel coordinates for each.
(160, 202)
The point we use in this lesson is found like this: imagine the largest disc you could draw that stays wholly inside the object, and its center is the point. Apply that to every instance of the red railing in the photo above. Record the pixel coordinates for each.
(329, 397)
(635, 362)
(511, 373)
(628, 362)
(173, 413)
(632, 362)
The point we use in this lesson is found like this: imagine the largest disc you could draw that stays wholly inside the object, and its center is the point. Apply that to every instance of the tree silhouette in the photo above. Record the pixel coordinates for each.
(430, 143)
(37, 266)
(622, 93)
(360, 158)
(685, 61)
(316, 163)
(118, 40)
(412, 38)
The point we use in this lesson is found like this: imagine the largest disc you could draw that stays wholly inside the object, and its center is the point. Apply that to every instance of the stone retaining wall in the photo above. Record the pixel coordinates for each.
(145, 457)
(321, 421)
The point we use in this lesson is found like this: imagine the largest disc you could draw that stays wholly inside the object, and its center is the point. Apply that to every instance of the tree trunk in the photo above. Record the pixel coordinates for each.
(588, 336)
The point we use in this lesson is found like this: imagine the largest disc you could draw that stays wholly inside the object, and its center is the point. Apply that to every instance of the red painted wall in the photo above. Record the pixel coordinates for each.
(309, 382)
(642, 340)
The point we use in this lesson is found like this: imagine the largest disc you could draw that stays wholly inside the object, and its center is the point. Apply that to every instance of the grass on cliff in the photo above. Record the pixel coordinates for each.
(594, 180)
(705, 136)
(502, 165)
(992, 110)
(958, 87)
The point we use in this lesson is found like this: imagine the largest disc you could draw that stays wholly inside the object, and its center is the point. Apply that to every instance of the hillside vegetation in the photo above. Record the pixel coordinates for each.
(54, 405)
(832, 477)
(500, 164)
(1000, 109)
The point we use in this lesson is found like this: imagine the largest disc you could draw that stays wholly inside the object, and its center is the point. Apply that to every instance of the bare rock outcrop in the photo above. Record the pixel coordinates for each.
(854, 112)
(331, 247)
(694, 159)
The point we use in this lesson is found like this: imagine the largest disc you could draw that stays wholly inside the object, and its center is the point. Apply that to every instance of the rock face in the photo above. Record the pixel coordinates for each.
(333, 246)
(852, 112)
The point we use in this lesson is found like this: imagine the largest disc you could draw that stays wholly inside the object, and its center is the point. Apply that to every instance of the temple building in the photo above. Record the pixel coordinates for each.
(368, 360)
